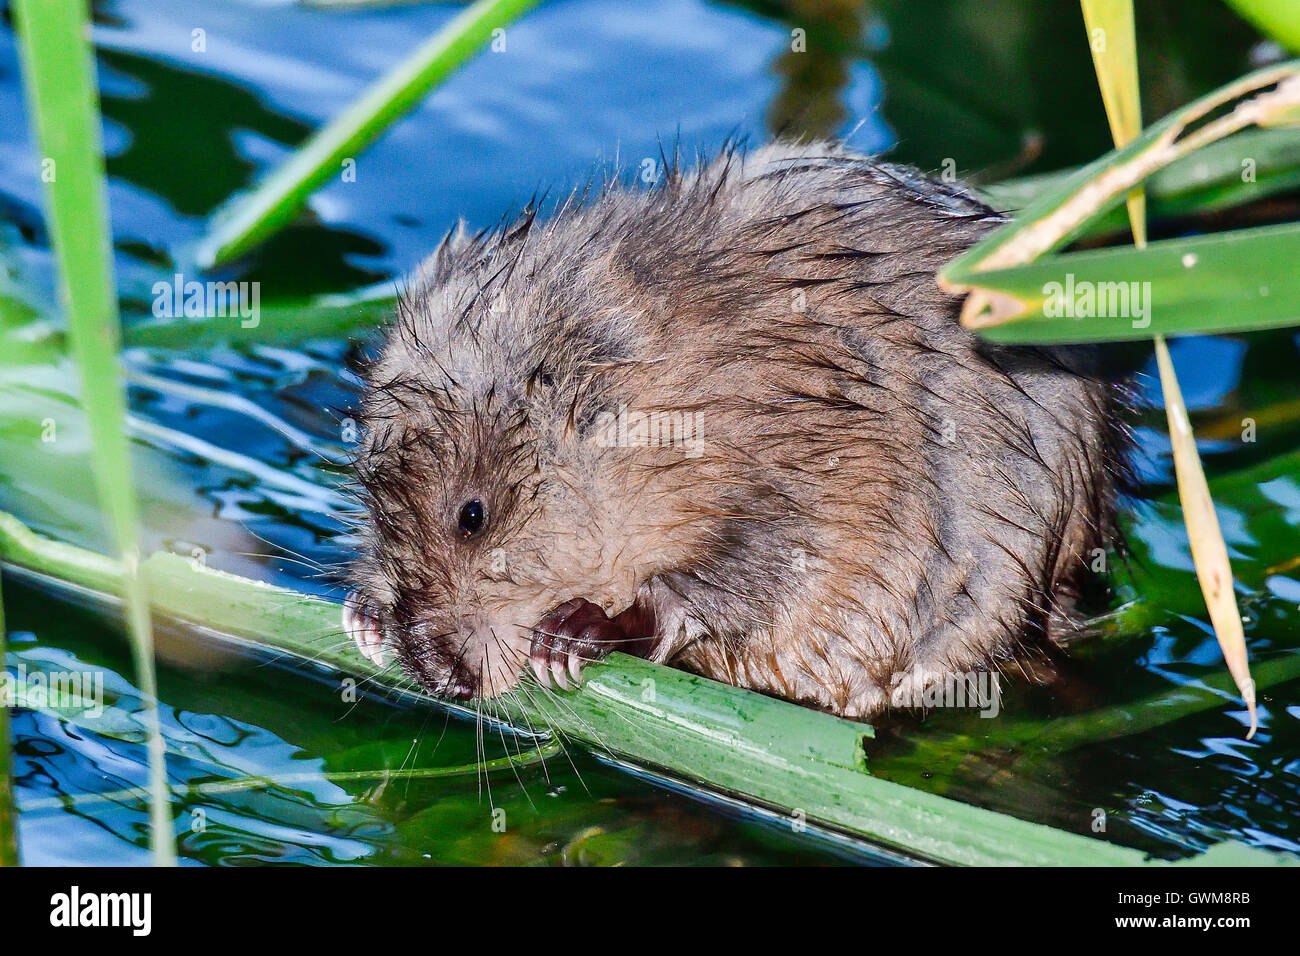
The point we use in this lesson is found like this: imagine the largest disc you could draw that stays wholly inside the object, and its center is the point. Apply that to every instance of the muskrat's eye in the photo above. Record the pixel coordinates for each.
(472, 516)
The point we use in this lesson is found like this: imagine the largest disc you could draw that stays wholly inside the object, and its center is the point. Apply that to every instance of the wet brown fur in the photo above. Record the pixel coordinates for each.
(879, 498)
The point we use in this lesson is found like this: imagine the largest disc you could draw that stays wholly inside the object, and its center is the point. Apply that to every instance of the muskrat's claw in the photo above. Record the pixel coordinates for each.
(363, 628)
(567, 637)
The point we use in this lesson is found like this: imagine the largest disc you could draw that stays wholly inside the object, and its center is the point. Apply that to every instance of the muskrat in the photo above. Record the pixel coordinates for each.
(855, 497)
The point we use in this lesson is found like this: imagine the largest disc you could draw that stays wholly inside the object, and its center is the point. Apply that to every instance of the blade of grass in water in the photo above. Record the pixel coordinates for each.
(249, 219)
(512, 762)
(61, 94)
(8, 818)
(724, 738)
(1114, 54)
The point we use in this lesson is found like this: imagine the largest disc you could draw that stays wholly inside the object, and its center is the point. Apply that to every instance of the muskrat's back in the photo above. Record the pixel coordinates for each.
(730, 422)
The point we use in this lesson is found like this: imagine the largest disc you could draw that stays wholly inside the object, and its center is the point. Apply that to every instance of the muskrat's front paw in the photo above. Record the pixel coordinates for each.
(567, 637)
(363, 627)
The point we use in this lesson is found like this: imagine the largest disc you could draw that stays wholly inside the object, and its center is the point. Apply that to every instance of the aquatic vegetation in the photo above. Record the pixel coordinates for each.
(1249, 271)
(61, 90)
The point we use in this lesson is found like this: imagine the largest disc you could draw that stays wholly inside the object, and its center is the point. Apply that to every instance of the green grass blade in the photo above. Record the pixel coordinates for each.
(1279, 19)
(8, 816)
(60, 84)
(249, 219)
(1253, 165)
(1266, 97)
(769, 751)
(1220, 283)
(1114, 55)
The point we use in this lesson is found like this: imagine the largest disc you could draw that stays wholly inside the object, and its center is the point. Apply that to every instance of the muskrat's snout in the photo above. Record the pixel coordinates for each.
(462, 658)
(420, 653)
(476, 659)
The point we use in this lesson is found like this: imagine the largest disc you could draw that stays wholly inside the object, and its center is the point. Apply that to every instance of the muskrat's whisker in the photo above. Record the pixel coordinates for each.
(296, 555)
(446, 723)
(416, 741)
(375, 677)
(457, 661)
(478, 748)
(410, 752)
(533, 730)
(370, 679)
(555, 698)
(313, 566)
(483, 775)
(317, 658)
(555, 731)
(558, 700)
(498, 718)
(505, 676)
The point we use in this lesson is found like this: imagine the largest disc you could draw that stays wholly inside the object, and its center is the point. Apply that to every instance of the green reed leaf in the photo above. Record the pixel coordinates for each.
(248, 219)
(61, 93)
(725, 738)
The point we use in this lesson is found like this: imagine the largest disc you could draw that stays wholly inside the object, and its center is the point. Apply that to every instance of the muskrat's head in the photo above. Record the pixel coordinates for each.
(493, 489)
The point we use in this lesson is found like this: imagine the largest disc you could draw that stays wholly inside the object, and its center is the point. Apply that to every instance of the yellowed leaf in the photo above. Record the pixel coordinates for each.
(1114, 54)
